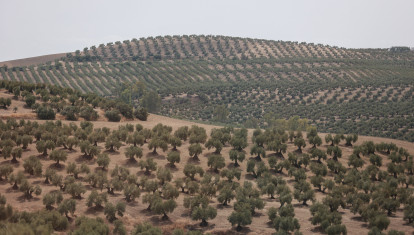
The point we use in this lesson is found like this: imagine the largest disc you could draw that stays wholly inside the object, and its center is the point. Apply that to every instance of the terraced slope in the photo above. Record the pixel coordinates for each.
(368, 91)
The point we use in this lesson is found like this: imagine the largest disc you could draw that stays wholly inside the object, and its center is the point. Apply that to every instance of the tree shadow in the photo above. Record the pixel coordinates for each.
(249, 177)
(185, 213)
(232, 165)
(43, 157)
(317, 229)
(111, 152)
(257, 159)
(144, 173)
(23, 198)
(197, 227)
(243, 230)
(71, 150)
(155, 155)
(221, 206)
(85, 159)
(357, 218)
(300, 205)
(158, 220)
(94, 210)
(131, 163)
(193, 160)
(10, 162)
(290, 181)
(273, 171)
(99, 169)
(5, 162)
(269, 224)
(297, 151)
(133, 203)
(59, 167)
(212, 171)
(146, 212)
(257, 214)
(269, 199)
(171, 166)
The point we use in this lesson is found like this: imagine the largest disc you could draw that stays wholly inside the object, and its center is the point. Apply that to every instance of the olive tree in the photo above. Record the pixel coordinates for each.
(58, 156)
(111, 210)
(236, 156)
(173, 157)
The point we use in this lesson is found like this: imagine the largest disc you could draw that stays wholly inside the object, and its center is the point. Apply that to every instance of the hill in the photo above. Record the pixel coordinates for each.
(367, 91)
(32, 60)
(352, 184)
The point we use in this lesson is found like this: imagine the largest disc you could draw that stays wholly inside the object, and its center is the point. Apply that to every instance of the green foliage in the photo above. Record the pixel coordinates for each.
(182, 133)
(191, 170)
(220, 113)
(146, 228)
(228, 69)
(30, 100)
(111, 210)
(303, 192)
(283, 219)
(103, 160)
(31, 165)
(195, 150)
(215, 162)
(70, 113)
(119, 228)
(113, 115)
(203, 213)
(52, 198)
(330, 221)
(300, 143)
(85, 225)
(241, 216)
(132, 152)
(58, 156)
(164, 175)
(256, 168)
(236, 156)
(151, 101)
(112, 142)
(239, 139)
(409, 211)
(75, 189)
(45, 113)
(197, 135)
(173, 157)
(141, 114)
(5, 102)
(96, 199)
(149, 165)
(5, 171)
(28, 189)
(131, 191)
(226, 194)
(163, 207)
(88, 113)
(67, 206)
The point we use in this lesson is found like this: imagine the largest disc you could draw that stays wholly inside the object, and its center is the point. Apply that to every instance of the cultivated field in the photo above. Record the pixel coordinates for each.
(136, 211)
(367, 91)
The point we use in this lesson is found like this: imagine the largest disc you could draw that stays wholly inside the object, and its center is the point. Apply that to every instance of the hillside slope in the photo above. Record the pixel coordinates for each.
(32, 60)
(368, 91)
(137, 209)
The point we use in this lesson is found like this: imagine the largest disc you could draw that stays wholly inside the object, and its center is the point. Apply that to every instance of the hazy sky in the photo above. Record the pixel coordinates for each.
(32, 28)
